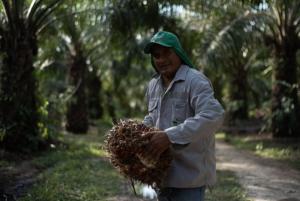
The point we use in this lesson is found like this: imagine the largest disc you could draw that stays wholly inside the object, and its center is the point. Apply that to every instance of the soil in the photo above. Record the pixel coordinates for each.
(263, 179)
(16, 180)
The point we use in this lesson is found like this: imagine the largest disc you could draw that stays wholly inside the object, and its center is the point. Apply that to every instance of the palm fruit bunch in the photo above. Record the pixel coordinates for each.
(125, 144)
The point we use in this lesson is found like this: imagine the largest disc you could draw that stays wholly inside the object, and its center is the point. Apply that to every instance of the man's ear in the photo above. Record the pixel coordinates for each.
(152, 62)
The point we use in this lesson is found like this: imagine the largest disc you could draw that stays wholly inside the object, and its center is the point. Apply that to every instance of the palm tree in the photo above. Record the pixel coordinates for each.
(283, 34)
(77, 114)
(279, 26)
(234, 66)
(20, 26)
(81, 34)
(229, 60)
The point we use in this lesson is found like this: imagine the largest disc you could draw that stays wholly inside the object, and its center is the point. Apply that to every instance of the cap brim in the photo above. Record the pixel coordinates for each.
(148, 47)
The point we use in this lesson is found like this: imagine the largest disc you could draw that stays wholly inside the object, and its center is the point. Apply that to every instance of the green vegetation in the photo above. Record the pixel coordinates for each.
(284, 150)
(227, 188)
(66, 61)
(72, 63)
(78, 170)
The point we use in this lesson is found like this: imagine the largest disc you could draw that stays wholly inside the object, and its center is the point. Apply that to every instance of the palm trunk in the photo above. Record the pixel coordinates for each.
(77, 115)
(111, 107)
(239, 95)
(18, 107)
(94, 96)
(285, 105)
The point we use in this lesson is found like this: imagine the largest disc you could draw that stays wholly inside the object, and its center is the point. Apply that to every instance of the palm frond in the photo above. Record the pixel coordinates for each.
(295, 12)
(298, 29)
(229, 34)
(44, 13)
(241, 29)
(15, 11)
(71, 29)
(62, 16)
(32, 9)
(277, 19)
(225, 50)
(8, 13)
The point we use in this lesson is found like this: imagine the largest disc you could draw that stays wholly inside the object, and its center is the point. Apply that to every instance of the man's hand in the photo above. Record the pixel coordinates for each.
(159, 142)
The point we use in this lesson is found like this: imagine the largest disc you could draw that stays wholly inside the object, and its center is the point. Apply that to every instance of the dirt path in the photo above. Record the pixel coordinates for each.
(126, 194)
(263, 179)
(15, 181)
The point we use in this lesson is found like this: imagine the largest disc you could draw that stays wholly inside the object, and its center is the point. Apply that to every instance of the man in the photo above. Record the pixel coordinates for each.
(182, 105)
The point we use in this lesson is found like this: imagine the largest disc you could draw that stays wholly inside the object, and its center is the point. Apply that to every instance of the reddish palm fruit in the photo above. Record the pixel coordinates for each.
(125, 144)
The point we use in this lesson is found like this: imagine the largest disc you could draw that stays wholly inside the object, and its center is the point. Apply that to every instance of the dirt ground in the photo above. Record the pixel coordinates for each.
(263, 179)
(15, 181)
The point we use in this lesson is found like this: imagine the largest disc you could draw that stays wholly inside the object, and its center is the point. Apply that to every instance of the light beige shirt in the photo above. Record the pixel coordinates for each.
(188, 112)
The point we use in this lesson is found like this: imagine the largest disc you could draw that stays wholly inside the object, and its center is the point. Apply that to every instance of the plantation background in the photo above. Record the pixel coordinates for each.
(73, 66)
(65, 63)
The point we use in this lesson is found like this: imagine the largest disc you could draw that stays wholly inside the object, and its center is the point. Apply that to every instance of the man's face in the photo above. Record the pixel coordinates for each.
(165, 60)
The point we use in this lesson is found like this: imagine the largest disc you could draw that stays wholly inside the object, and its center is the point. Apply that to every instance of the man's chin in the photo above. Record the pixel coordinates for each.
(165, 73)
(168, 75)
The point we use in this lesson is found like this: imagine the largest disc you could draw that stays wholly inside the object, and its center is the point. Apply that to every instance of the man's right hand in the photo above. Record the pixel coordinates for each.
(159, 143)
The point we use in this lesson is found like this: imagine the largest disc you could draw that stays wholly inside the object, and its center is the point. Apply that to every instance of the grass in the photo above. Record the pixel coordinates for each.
(281, 150)
(227, 188)
(77, 170)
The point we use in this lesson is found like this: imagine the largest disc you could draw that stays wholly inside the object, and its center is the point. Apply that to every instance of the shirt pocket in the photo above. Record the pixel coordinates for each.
(152, 108)
(178, 112)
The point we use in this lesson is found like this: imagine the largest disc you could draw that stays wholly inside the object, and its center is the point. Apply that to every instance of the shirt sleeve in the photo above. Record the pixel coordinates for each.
(208, 115)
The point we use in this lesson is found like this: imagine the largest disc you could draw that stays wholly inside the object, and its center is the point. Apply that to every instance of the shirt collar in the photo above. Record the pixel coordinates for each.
(181, 73)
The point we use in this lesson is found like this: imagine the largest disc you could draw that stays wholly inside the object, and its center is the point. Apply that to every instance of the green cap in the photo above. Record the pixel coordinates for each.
(168, 39)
